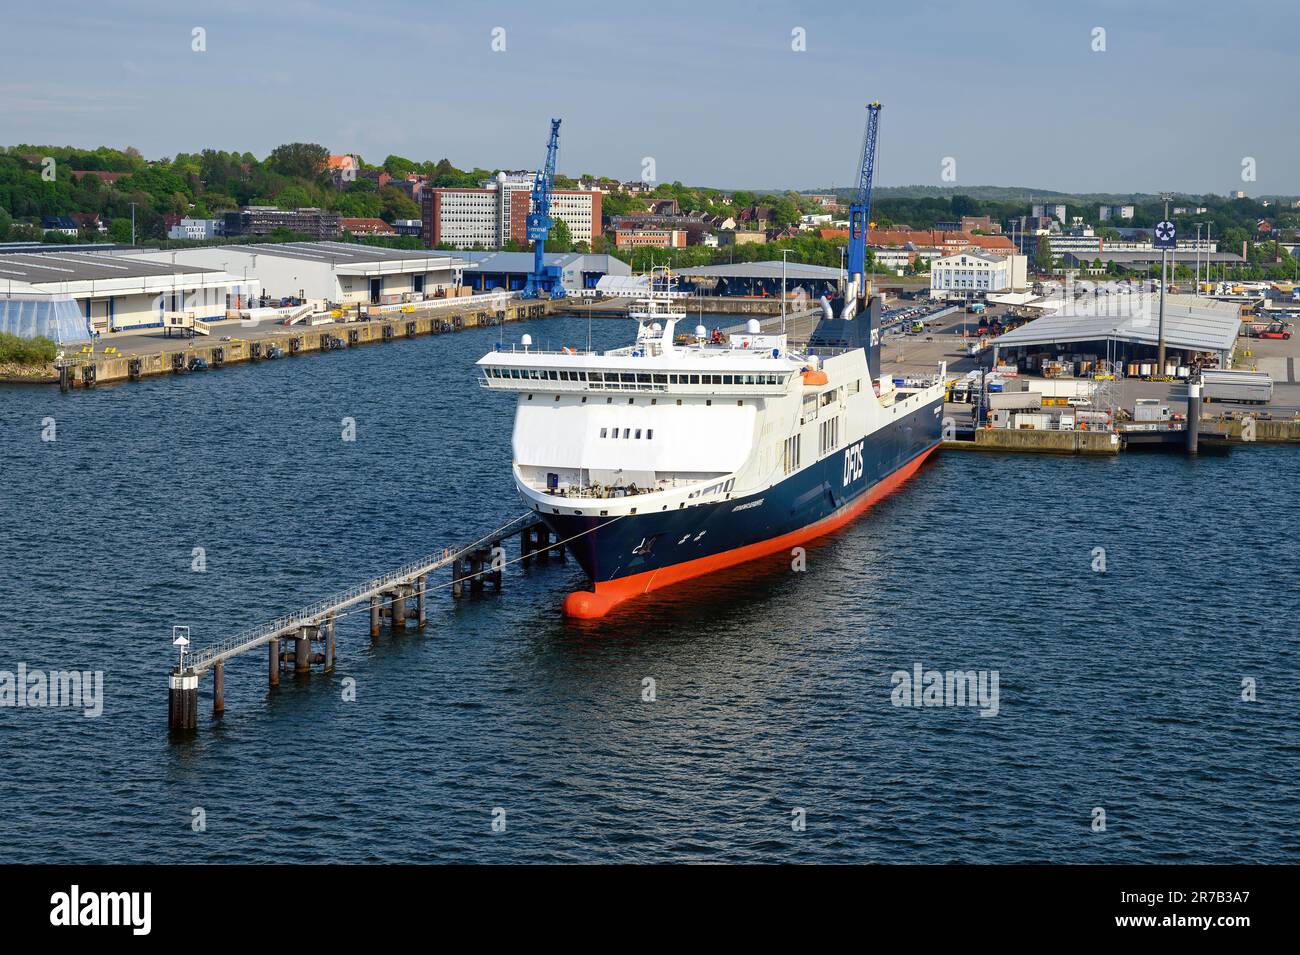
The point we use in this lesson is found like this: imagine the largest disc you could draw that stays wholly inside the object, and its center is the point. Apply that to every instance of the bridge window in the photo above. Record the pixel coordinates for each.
(649, 434)
(604, 432)
(627, 432)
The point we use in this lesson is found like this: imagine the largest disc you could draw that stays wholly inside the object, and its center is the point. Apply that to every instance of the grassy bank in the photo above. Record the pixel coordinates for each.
(26, 351)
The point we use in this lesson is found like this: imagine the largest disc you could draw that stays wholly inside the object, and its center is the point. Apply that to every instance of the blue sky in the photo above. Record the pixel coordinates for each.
(713, 91)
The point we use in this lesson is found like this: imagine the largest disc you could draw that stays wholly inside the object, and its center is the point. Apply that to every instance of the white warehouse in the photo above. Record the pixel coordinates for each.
(111, 291)
(336, 272)
(971, 275)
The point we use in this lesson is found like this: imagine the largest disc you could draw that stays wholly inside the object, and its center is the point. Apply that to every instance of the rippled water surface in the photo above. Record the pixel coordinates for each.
(1120, 691)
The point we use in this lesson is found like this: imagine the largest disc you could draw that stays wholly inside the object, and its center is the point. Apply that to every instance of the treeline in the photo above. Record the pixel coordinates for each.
(1234, 220)
(38, 181)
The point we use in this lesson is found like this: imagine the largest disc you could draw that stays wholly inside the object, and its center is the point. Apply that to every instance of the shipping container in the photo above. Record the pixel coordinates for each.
(1254, 387)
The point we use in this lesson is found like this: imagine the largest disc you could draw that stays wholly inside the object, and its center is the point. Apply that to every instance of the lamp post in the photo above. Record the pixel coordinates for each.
(784, 253)
(1198, 260)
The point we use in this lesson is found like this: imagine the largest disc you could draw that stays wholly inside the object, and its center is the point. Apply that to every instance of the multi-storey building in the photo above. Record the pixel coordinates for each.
(1051, 210)
(1106, 213)
(497, 213)
(263, 220)
(650, 238)
(972, 275)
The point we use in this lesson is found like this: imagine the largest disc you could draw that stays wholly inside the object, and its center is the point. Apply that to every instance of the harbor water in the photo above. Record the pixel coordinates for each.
(224, 498)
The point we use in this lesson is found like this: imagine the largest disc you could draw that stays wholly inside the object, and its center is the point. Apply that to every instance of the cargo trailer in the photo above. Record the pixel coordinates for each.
(1249, 387)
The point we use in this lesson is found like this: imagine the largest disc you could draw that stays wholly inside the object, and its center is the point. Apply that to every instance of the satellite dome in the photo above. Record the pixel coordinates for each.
(700, 331)
(526, 340)
(753, 326)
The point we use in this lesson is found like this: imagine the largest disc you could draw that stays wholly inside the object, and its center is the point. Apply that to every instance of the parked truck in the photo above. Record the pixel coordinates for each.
(1249, 387)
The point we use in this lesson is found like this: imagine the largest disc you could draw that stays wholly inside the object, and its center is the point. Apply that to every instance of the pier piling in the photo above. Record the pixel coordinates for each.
(420, 619)
(398, 604)
(457, 578)
(183, 701)
(302, 651)
(273, 675)
(329, 643)
(218, 689)
(1193, 416)
(374, 615)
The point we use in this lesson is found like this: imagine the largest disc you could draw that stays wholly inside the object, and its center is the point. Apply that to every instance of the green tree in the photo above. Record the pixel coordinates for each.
(119, 230)
(1043, 255)
(560, 239)
(298, 160)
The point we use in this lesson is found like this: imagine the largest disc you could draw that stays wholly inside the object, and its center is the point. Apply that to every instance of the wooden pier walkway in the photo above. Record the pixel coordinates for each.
(390, 597)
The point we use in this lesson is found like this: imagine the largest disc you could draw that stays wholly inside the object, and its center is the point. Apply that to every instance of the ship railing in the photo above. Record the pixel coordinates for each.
(537, 385)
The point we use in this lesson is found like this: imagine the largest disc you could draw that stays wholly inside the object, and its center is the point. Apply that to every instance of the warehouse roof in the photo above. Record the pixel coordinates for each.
(521, 262)
(1191, 323)
(1144, 255)
(42, 268)
(340, 253)
(794, 271)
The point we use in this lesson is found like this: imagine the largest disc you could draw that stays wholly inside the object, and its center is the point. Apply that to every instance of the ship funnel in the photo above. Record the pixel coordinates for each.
(827, 312)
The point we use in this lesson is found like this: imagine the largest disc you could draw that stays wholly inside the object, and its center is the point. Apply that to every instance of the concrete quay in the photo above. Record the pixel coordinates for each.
(143, 354)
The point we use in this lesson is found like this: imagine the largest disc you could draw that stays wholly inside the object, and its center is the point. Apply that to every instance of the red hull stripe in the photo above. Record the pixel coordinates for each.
(611, 593)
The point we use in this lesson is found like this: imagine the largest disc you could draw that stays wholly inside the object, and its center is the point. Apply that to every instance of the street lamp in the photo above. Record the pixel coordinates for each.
(784, 253)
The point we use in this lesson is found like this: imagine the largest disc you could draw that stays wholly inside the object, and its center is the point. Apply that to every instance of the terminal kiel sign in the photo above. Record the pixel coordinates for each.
(1165, 236)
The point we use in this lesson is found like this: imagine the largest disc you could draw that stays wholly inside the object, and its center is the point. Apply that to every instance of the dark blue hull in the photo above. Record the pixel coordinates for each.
(652, 541)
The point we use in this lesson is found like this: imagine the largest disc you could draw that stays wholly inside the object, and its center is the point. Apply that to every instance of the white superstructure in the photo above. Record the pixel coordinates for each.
(673, 421)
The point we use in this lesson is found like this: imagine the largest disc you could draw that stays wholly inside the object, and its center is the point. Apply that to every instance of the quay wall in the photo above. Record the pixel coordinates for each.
(1036, 441)
(300, 339)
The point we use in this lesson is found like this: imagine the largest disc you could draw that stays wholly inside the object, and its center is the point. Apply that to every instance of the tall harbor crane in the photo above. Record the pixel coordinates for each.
(544, 278)
(860, 216)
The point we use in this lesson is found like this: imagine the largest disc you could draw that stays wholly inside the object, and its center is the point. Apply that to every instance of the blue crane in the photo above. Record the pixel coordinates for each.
(544, 278)
(860, 214)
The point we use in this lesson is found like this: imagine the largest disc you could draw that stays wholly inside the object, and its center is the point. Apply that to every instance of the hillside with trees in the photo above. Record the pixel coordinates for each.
(38, 181)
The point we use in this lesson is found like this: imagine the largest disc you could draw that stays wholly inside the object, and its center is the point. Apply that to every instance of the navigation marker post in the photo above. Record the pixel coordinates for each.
(183, 688)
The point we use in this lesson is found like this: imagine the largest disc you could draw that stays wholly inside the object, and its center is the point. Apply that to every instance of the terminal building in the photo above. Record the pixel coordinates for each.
(1123, 331)
(41, 292)
(338, 272)
(579, 271)
(970, 276)
(760, 279)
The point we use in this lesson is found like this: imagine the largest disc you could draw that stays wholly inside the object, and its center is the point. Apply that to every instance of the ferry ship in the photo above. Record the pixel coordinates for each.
(680, 454)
